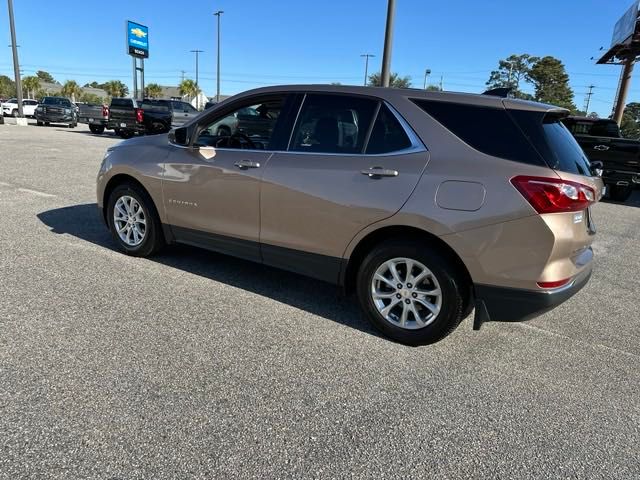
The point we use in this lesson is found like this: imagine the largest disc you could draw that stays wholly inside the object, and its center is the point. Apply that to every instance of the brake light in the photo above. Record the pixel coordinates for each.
(105, 111)
(556, 284)
(554, 195)
(139, 115)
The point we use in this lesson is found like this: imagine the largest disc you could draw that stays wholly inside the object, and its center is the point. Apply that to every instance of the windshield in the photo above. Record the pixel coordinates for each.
(63, 102)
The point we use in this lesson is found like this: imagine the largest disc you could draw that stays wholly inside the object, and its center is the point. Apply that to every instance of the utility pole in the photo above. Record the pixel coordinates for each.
(385, 74)
(197, 52)
(441, 83)
(218, 14)
(16, 65)
(366, 66)
(182, 72)
(427, 72)
(588, 99)
(625, 80)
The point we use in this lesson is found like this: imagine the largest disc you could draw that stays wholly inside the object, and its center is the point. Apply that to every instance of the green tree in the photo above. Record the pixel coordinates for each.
(189, 88)
(7, 87)
(551, 83)
(92, 98)
(433, 88)
(153, 90)
(395, 80)
(71, 89)
(31, 85)
(630, 126)
(45, 76)
(93, 84)
(115, 88)
(511, 71)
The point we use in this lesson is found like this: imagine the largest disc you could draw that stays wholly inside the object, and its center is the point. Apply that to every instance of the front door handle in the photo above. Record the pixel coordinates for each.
(601, 148)
(244, 164)
(379, 172)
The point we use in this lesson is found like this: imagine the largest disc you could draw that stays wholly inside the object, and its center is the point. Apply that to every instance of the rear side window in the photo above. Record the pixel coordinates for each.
(333, 124)
(155, 105)
(387, 135)
(488, 130)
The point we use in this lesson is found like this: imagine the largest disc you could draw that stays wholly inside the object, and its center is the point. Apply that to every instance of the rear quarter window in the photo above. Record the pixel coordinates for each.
(489, 130)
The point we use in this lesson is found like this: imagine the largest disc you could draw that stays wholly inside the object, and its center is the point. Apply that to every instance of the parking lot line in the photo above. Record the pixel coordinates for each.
(35, 192)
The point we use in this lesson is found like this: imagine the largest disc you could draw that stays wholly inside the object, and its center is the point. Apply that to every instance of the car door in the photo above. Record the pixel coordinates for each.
(351, 161)
(211, 191)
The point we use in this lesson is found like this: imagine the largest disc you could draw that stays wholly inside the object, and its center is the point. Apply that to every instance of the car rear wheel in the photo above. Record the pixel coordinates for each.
(39, 123)
(620, 193)
(14, 112)
(97, 129)
(125, 134)
(410, 292)
(134, 221)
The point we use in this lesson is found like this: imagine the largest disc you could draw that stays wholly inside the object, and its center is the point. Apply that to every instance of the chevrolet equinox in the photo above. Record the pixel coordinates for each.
(426, 204)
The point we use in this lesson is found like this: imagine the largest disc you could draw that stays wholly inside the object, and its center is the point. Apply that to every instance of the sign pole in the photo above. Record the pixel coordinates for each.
(16, 66)
(135, 78)
(625, 80)
(142, 78)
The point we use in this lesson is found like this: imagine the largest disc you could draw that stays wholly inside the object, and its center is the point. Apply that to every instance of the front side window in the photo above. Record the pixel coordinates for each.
(248, 126)
(333, 124)
(188, 108)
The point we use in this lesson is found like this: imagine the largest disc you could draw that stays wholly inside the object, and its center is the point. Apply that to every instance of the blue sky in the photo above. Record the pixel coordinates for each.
(305, 41)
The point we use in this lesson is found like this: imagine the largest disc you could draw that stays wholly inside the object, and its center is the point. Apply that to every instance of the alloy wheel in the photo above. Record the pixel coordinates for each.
(130, 221)
(406, 293)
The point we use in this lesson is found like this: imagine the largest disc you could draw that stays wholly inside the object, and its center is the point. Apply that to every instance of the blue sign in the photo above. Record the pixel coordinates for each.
(137, 40)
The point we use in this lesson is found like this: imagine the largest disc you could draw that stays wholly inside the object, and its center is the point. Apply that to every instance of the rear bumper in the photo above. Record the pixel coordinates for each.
(504, 304)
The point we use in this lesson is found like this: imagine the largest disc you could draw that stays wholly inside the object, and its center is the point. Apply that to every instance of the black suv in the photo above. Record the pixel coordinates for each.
(56, 110)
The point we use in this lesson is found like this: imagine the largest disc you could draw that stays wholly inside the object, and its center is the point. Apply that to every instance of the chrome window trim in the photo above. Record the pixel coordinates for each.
(295, 123)
(413, 136)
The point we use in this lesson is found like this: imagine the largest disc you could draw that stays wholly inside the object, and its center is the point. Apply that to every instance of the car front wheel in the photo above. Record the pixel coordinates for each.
(410, 292)
(133, 221)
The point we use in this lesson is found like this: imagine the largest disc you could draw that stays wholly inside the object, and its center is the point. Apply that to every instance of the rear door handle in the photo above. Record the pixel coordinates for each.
(601, 148)
(245, 164)
(379, 172)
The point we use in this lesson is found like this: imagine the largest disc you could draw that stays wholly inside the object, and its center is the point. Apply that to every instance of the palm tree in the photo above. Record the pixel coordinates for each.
(32, 85)
(115, 88)
(188, 88)
(153, 90)
(71, 89)
(395, 81)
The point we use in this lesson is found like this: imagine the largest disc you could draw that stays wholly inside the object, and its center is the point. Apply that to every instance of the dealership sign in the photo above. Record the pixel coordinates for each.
(626, 26)
(137, 40)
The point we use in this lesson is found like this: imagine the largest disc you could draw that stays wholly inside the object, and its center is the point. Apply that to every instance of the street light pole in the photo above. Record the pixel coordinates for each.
(366, 66)
(16, 65)
(218, 14)
(388, 40)
(427, 72)
(197, 52)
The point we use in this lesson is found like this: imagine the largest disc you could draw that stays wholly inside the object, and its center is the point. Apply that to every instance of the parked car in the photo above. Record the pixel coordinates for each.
(437, 203)
(56, 110)
(128, 118)
(96, 116)
(619, 158)
(181, 112)
(10, 107)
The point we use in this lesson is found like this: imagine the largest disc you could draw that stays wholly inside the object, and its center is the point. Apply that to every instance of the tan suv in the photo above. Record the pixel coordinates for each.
(426, 204)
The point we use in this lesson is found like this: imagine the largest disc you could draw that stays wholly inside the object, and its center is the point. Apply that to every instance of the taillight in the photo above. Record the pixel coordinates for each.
(553, 195)
(105, 111)
(555, 284)
(139, 115)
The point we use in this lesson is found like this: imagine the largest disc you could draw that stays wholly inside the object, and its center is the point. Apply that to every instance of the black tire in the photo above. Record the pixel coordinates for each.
(125, 134)
(39, 123)
(620, 193)
(97, 129)
(14, 112)
(46, 124)
(452, 286)
(153, 238)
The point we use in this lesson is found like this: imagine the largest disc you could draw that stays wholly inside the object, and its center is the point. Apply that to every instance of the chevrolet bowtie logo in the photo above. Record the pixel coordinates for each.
(138, 32)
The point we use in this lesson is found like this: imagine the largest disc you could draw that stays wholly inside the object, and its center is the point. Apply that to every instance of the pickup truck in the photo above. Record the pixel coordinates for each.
(56, 110)
(620, 157)
(128, 117)
(181, 112)
(96, 116)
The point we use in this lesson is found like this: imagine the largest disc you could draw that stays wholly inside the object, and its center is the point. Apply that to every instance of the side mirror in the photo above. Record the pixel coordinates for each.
(179, 136)
(597, 168)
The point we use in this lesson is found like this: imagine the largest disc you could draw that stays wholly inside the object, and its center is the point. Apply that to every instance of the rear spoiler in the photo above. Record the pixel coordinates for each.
(502, 92)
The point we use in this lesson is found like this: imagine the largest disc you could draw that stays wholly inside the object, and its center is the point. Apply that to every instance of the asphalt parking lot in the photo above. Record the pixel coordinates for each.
(196, 365)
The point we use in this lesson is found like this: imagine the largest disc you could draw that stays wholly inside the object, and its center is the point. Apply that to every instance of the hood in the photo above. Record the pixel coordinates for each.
(146, 140)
